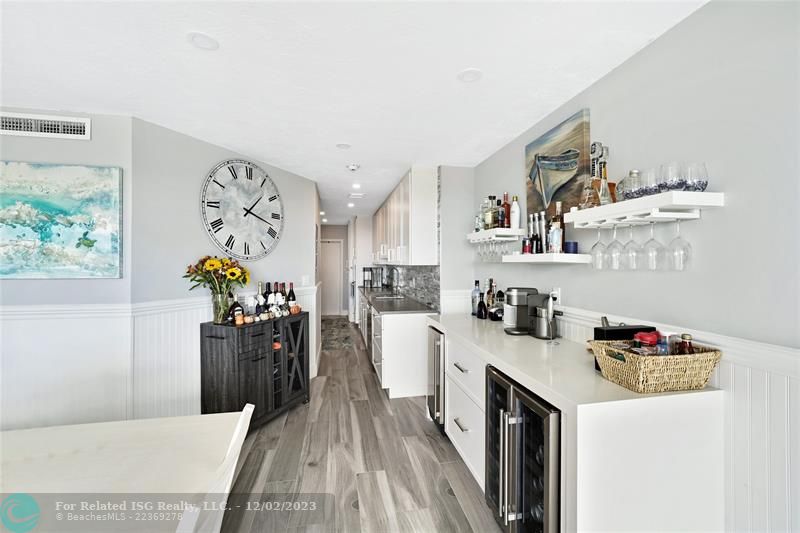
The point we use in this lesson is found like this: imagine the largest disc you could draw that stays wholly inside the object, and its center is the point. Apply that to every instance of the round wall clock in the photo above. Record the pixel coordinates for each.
(242, 209)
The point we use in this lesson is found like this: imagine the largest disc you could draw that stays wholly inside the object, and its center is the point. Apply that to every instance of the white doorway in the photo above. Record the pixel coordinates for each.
(331, 269)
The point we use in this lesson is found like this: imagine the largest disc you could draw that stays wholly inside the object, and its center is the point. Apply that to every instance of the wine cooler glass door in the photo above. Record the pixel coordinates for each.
(534, 484)
(498, 393)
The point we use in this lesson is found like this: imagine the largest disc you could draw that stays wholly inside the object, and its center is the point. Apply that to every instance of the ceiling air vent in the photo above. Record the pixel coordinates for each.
(355, 195)
(28, 125)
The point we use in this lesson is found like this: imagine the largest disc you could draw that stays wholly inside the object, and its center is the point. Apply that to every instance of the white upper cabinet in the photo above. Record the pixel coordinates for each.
(404, 227)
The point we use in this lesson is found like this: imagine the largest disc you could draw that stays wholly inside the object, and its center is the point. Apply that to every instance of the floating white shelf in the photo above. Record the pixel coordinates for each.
(495, 235)
(664, 207)
(565, 259)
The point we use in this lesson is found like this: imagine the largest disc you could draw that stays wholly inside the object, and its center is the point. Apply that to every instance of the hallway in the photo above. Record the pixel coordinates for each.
(383, 464)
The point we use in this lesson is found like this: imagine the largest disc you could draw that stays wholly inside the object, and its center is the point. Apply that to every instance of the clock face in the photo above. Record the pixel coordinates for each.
(242, 209)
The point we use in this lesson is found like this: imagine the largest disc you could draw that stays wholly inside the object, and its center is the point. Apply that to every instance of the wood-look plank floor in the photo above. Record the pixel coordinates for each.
(383, 464)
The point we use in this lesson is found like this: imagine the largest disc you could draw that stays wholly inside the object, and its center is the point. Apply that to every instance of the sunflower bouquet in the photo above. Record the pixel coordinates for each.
(220, 276)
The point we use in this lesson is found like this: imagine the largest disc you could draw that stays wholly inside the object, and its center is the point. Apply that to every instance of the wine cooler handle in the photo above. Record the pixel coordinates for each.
(501, 478)
(504, 429)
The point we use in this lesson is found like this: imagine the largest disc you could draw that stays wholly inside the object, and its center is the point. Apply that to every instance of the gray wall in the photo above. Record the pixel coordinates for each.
(110, 145)
(340, 233)
(456, 254)
(169, 168)
(162, 172)
(721, 87)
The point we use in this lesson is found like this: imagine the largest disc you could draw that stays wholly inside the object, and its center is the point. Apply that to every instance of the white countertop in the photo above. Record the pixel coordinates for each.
(562, 374)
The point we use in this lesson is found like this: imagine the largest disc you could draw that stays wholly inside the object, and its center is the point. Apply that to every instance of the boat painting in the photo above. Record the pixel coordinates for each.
(557, 164)
(59, 221)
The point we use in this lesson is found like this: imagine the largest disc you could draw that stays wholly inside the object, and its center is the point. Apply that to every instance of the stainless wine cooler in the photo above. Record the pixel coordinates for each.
(522, 483)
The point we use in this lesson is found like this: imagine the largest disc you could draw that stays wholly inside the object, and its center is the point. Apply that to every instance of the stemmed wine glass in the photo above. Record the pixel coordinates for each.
(613, 255)
(631, 253)
(598, 253)
(680, 250)
(655, 255)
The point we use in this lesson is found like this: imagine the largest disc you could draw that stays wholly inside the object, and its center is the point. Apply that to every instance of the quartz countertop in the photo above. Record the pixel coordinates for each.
(562, 374)
(405, 305)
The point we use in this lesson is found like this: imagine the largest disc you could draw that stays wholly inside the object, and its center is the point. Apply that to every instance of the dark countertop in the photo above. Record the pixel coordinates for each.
(405, 305)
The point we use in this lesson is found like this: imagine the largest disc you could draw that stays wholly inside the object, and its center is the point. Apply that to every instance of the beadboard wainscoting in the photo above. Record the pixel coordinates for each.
(94, 363)
(166, 358)
(762, 422)
(64, 364)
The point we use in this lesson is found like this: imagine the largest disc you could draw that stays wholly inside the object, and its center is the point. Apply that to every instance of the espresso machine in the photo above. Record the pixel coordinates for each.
(515, 310)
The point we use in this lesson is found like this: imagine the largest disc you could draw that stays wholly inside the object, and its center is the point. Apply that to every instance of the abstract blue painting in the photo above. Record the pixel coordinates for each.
(60, 221)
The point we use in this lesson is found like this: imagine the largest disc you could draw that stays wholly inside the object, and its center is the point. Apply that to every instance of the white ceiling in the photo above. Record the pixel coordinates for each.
(290, 80)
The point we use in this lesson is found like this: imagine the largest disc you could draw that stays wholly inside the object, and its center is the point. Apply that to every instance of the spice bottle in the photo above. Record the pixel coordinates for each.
(685, 347)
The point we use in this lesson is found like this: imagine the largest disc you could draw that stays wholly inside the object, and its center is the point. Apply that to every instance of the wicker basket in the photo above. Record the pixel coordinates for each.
(655, 373)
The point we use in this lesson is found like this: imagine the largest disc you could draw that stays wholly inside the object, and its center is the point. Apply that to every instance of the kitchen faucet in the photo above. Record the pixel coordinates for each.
(395, 280)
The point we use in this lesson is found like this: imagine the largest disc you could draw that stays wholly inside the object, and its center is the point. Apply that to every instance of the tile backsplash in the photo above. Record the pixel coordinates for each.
(418, 282)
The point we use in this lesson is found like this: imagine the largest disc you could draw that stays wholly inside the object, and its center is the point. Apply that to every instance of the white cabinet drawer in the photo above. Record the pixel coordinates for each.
(468, 369)
(465, 424)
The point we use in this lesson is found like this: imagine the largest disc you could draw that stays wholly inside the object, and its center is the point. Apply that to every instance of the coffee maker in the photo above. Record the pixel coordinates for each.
(515, 310)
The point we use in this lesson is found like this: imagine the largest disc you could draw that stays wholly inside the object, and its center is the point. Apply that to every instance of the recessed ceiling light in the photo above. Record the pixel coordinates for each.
(203, 41)
(343, 146)
(351, 204)
(356, 185)
(352, 167)
(324, 219)
(322, 212)
(470, 75)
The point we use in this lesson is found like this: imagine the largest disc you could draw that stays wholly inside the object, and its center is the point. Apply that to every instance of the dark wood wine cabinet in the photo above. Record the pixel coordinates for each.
(239, 366)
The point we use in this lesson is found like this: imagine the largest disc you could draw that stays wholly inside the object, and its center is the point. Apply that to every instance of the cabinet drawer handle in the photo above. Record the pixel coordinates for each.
(463, 428)
(259, 359)
(257, 334)
(461, 368)
(215, 337)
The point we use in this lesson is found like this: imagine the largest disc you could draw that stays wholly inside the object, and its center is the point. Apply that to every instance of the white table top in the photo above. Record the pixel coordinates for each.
(562, 374)
(157, 455)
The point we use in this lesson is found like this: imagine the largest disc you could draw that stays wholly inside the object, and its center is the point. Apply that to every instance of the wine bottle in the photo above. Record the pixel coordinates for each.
(291, 297)
(481, 312)
(506, 211)
(259, 299)
(271, 297)
(489, 293)
(476, 292)
(543, 230)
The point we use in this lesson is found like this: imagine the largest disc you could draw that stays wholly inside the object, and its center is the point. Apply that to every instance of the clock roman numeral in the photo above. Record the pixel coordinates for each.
(248, 172)
(272, 232)
(262, 244)
(218, 183)
(232, 170)
(246, 249)
(263, 182)
(273, 198)
(217, 225)
(212, 203)
(229, 243)
(276, 216)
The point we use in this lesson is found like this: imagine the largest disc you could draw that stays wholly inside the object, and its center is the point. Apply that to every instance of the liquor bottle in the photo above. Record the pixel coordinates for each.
(499, 297)
(489, 293)
(514, 213)
(259, 299)
(476, 292)
(543, 230)
(501, 215)
(605, 192)
(478, 223)
(560, 215)
(506, 211)
(488, 213)
(481, 311)
(557, 231)
(235, 310)
(531, 226)
(291, 299)
(536, 245)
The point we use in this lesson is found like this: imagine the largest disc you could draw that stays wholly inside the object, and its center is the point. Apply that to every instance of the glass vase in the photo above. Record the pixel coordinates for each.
(220, 306)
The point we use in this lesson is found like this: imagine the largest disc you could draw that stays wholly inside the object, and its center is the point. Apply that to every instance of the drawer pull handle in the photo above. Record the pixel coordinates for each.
(463, 428)
(257, 334)
(461, 368)
(258, 359)
(215, 337)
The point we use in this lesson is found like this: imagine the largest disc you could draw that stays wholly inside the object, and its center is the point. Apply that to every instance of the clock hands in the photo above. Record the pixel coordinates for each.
(250, 211)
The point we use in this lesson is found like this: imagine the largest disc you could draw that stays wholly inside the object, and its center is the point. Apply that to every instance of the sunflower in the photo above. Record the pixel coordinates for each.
(212, 264)
(226, 261)
(233, 273)
(246, 276)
